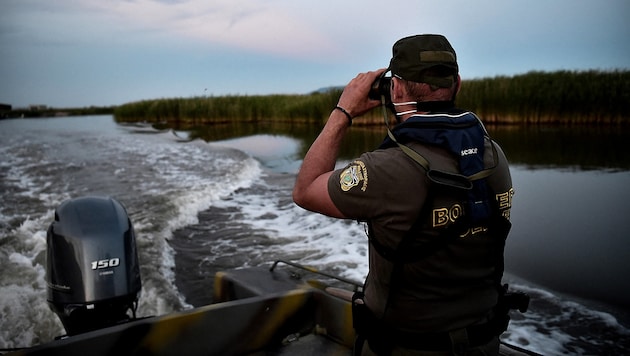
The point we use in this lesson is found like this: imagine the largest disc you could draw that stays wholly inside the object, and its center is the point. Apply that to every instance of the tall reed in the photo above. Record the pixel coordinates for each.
(310, 108)
(562, 97)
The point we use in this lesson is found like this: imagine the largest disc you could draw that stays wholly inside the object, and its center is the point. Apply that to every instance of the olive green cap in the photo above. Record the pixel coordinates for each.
(413, 55)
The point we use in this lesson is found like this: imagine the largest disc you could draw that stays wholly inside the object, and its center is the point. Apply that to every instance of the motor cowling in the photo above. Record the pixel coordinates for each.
(93, 274)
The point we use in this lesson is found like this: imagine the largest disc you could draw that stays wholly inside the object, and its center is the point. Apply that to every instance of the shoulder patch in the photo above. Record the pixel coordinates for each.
(353, 175)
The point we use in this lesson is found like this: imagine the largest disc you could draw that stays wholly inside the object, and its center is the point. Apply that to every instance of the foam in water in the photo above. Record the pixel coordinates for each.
(23, 304)
(163, 184)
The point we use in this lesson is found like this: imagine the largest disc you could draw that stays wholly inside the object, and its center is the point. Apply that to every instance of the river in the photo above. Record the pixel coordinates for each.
(201, 205)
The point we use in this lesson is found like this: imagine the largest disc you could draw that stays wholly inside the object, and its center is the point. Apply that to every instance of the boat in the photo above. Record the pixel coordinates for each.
(255, 311)
(283, 308)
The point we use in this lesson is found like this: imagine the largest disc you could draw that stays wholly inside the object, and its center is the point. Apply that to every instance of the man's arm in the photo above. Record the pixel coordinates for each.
(311, 185)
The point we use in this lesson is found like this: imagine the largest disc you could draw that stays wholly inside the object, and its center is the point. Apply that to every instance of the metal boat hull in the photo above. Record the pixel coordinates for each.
(254, 310)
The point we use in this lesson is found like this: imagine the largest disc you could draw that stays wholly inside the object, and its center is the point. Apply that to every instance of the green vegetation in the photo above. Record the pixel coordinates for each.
(312, 108)
(563, 97)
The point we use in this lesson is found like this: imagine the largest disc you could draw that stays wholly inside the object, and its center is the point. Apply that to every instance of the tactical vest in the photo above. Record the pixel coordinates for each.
(463, 135)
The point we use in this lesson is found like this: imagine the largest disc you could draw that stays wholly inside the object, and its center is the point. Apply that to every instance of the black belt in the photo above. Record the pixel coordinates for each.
(477, 335)
(439, 341)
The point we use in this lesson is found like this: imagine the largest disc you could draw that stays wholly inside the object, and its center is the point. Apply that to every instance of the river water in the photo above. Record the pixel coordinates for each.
(200, 206)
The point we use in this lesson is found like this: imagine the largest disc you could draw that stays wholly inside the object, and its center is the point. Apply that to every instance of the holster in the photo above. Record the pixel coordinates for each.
(368, 328)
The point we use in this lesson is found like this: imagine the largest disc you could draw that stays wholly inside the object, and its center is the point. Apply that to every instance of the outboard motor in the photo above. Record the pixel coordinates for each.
(93, 273)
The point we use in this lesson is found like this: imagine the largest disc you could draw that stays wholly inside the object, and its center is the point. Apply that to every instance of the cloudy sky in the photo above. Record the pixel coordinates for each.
(75, 53)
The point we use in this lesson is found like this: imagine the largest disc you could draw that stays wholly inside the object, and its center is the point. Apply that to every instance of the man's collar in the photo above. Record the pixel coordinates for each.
(435, 106)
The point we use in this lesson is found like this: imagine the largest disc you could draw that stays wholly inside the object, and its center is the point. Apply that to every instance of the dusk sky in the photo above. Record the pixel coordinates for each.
(76, 53)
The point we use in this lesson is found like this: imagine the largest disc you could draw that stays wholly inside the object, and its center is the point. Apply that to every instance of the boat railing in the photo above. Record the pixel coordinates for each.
(355, 285)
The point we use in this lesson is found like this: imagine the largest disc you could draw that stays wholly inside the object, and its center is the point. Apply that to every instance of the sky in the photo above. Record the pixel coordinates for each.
(80, 53)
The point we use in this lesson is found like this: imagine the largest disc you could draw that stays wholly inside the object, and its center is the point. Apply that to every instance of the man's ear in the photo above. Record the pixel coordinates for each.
(397, 88)
(458, 84)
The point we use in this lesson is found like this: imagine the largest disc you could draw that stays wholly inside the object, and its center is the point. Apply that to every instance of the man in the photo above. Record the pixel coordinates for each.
(436, 196)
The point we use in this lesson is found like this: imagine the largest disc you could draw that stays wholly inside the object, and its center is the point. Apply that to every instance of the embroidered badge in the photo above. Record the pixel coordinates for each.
(353, 175)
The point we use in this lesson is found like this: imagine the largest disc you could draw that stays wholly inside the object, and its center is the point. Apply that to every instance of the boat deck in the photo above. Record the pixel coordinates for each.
(256, 312)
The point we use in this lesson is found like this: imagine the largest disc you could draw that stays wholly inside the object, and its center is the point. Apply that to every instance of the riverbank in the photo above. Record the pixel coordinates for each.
(44, 111)
(562, 97)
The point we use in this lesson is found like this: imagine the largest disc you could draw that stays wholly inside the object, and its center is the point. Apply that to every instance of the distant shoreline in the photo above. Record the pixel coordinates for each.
(55, 112)
(550, 98)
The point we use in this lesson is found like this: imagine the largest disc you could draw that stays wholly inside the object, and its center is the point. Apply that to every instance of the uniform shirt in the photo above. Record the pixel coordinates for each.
(453, 287)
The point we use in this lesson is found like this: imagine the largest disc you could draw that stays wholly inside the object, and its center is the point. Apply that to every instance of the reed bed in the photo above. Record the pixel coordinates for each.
(310, 108)
(562, 97)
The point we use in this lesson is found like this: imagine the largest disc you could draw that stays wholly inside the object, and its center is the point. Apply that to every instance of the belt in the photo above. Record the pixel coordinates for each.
(477, 335)
(437, 341)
